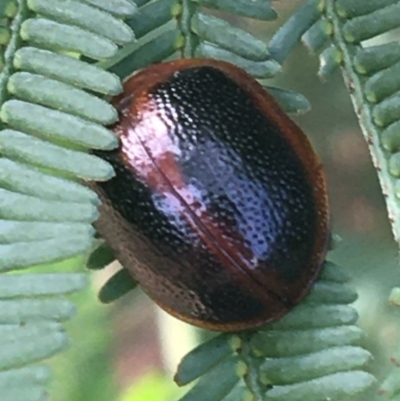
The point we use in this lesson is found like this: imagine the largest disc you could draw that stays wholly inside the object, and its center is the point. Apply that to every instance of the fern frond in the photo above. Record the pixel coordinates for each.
(371, 74)
(49, 121)
(312, 353)
(379, 115)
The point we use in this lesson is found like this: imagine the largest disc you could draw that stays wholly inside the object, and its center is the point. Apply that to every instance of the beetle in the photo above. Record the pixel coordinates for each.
(219, 206)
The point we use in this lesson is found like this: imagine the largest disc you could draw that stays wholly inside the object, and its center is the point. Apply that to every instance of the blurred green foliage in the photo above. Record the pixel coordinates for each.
(85, 370)
(152, 386)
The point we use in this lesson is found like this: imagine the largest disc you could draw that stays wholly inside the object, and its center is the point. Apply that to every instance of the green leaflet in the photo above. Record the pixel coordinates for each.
(8, 9)
(15, 378)
(119, 284)
(21, 255)
(55, 125)
(338, 386)
(223, 377)
(391, 385)
(24, 179)
(329, 59)
(146, 52)
(62, 97)
(32, 285)
(32, 393)
(5, 35)
(28, 310)
(239, 392)
(318, 35)
(294, 342)
(327, 292)
(387, 111)
(26, 231)
(259, 69)
(32, 346)
(221, 33)
(203, 358)
(390, 137)
(259, 9)
(315, 30)
(100, 257)
(394, 165)
(152, 16)
(291, 102)
(289, 34)
(311, 316)
(36, 31)
(372, 59)
(354, 8)
(383, 84)
(67, 69)
(29, 208)
(280, 371)
(370, 25)
(120, 8)
(394, 299)
(57, 158)
(83, 16)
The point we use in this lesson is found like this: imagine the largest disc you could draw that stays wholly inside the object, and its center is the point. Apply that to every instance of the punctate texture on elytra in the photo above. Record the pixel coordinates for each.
(219, 204)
